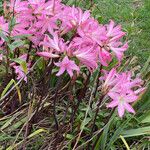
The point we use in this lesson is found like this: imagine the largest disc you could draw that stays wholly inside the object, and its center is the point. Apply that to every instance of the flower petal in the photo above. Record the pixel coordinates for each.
(129, 108)
(121, 110)
(112, 104)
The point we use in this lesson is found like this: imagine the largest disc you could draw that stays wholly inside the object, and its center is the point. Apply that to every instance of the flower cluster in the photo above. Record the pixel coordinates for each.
(48, 22)
(73, 39)
(122, 89)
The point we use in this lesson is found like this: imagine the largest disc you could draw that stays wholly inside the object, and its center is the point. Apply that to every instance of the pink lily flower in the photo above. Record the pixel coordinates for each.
(87, 57)
(93, 30)
(104, 56)
(46, 24)
(110, 78)
(122, 102)
(84, 50)
(122, 89)
(113, 31)
(67, 65)
(72, 18)
(56, 43)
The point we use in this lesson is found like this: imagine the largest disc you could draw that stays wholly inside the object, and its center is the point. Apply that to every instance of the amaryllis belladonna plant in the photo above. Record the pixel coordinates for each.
(73, 41)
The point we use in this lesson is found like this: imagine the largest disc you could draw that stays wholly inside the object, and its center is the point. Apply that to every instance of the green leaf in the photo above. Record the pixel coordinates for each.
(12, 23)
(22, 63)
(101, 144)
(5, 137)
(24, 67)
(70, 136)
(7, 123)
(145, 118)
(125, 143)
(4, 37)
(18, 124)
(37, 132)
(136, 132)
(7, 87)
(12, 81)
(21, 36)
(84, 123)
(41, 63)
(16, 44)
(118, 132)
(145, 67)
(18, 90)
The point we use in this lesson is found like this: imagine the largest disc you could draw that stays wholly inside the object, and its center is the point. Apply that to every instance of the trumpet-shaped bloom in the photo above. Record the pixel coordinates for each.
(122, 89)
(87, 57)
(93, 30)
(104, 56)
(67, 65)
(84, 50)
(110, 78)
(56, 43)
(122, 102)
(72, 18)
(46, 24)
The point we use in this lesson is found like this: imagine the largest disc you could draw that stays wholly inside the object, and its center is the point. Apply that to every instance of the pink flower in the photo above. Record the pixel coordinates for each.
(87, 57)
(118, 49)
(93, 30)
(122, 102)
(67, 65)
(104, 56)
(37, 38)
(110, 78)
(113, 42)
(3, 25)
(41, 7)
(56, 43)
(72, 18)
(84, 50)
(122, 89)
(46, 24)
(113, 31)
